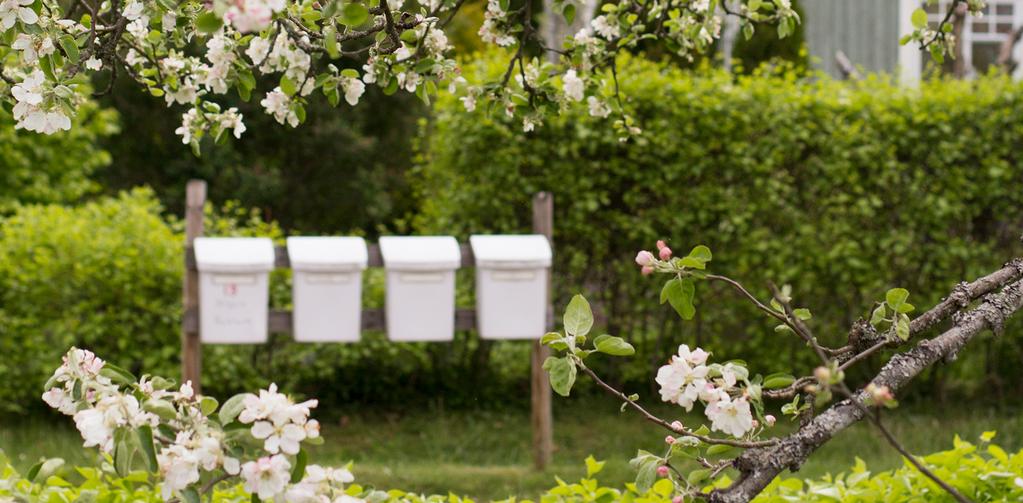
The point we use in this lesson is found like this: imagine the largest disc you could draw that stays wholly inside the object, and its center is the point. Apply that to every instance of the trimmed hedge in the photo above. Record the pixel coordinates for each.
(840, 189)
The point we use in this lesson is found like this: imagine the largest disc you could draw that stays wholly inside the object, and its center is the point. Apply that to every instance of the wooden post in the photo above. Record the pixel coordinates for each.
(191, 347)
(541, 419)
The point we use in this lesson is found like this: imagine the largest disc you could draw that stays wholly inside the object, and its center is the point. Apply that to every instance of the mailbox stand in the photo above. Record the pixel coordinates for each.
(372, 319)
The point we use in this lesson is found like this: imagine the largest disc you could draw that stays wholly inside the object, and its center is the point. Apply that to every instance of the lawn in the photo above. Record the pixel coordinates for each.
(485, 454)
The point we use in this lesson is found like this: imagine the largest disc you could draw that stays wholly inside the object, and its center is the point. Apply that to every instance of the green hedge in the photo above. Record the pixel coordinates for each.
(37, 168)
(842, 190)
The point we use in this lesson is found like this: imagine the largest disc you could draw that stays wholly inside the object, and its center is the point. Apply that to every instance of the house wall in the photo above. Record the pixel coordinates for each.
(867, 31)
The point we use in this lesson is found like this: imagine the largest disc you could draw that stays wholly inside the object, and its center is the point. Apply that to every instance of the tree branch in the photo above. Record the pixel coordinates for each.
(758, 467)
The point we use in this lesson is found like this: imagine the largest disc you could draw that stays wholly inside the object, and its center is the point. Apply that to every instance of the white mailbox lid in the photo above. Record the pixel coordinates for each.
(420, 253)
(328, 254)
(511, 251)
(234, 254)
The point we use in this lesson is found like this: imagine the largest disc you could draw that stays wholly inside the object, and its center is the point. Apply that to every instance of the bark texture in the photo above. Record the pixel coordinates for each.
(759, 466)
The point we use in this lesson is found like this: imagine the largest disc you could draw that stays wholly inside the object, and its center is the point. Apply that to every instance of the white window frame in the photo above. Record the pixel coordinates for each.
(910, 58)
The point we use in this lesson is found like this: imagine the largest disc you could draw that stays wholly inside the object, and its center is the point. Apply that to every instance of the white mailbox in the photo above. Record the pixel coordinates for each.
(420, 300)
(234, 289)
(327, 287)
(511, 285)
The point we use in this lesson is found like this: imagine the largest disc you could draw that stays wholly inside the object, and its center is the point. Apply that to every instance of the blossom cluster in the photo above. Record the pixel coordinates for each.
(277, 53)
(688, 379)
(188, 444)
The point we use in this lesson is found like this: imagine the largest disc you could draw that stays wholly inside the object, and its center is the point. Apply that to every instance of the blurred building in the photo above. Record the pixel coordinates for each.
(867, 32)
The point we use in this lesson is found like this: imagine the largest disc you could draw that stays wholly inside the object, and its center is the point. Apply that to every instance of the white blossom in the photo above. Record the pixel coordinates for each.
(266, 477)
(573, 86)
(13, 10)
(353, 89)
(731, 416)
(597, 107)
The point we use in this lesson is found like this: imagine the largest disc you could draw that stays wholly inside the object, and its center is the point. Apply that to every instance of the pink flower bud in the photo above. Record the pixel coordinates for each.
(662, 471)
(822, 374)
(661, 244)
(770, 420)
(644, 258)
(677, 499)
(665, 253)
(669, 440)
(677, 426)
(646, 270)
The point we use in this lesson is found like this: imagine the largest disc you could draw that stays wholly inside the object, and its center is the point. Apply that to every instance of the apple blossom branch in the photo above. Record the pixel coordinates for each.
(665, 424)
(758, 466)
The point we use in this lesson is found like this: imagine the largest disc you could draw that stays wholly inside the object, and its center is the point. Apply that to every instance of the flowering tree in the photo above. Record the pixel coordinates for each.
(190, 443)
(733, 399)
(191, 53)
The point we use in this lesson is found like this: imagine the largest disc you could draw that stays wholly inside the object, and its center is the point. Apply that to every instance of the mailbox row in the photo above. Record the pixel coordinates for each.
(511, 287)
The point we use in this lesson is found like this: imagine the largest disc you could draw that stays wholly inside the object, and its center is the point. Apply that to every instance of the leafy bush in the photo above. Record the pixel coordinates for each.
(52, 169)
(841, 189)
(982, 473)
(104, 275)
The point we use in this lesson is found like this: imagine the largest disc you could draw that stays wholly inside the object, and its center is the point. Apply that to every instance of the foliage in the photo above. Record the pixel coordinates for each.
(52, 169)
(104, 275)
(984, 472)
(800, 177)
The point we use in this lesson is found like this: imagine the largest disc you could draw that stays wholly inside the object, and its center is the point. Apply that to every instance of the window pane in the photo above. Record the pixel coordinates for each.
(1003, 9)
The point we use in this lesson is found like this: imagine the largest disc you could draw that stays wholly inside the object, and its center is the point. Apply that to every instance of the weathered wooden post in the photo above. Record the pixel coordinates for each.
(541, 419)
(191, 347)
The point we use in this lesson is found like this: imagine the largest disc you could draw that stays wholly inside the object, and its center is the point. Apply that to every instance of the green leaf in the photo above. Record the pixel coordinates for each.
(161, 408)
(145, 437)
(569, 12)
(646, 476)
(896, 297)
(663, 488)
(330, 41)
(117, 374)
(578, 316)
(288, 86)
(802, 313)
(902, 327)
(878, 315)
(776, 381)
(232, 407)
(718, 449)
(298, 469)
(354, 14)
(191, 495)
(208, 22)
(697, 476)
(615, 346)
(680, 295)
(919, 18)
(67, 42)
(701, 253)
(593, 466)
(207, 405)
(562, 374)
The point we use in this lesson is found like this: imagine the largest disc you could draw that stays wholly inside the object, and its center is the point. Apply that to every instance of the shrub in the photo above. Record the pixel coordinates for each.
(983, 473)
(103, 275)
(799, 177)
(52, 169)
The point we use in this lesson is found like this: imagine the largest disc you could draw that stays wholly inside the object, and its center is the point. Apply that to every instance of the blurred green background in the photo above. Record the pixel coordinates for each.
(840, 189)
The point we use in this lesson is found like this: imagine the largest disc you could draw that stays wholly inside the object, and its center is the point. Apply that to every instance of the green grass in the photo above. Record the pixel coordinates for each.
(487, 454)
